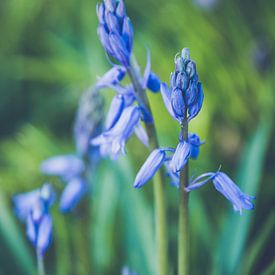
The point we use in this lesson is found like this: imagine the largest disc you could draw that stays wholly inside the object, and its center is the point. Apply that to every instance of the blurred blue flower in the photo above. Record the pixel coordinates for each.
(112, 77)
(115, 30)
(127, 271)
(63, 166)
(185, 97)
(226, 187)
(33, 209)
(72, 194)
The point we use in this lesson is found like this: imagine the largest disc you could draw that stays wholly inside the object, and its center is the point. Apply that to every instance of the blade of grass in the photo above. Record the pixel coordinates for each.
(138, 221)
(105, 199)
(250, 259)
(14, 239)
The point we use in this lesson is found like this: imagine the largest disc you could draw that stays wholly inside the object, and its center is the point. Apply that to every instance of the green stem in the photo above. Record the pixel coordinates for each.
(159, 182)
(40, 264)
(183, 238)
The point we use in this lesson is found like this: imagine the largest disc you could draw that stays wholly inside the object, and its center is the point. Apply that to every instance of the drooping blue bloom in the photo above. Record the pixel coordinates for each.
(151, 166)
(180, 157)
(111, 77)
(226, 187)
(71, 170)
(195, 143)
(174, 176)
(115, 30)
(63, 166)
(113, 141)
(115, 111)
(72, 194)
(153, 83)
(185, 97)
(33, 209)
(23, 203)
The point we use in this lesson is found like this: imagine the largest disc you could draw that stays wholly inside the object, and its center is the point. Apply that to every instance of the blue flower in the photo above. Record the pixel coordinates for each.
(151, 166)
(33, 209)
(226, 187)
(115, 111)
(64, 166)
(115, 30)
(180, 157)
(195, 143)
(185, 95)
(72, 194)
(111, 77)
(113, 141)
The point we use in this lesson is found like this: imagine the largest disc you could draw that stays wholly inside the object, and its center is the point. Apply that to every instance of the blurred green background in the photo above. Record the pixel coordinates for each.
(50, 53)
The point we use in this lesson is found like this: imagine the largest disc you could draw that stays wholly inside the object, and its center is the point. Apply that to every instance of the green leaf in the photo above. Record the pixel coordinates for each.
(138, 221)
(105, 200)
(14, 239)
(255, 249)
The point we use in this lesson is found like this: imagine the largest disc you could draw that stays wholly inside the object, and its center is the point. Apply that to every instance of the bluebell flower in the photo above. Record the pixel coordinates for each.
(115, 111)
(173, 176)
(115, 30)
(181, 156)
(112, 142)
(24, 202)
(226, 187)
(195, 143)
(153, 83)
(112, 77)
(151, 166)
(185, 97)
(72, 194)
(63, 166)
(33, 209)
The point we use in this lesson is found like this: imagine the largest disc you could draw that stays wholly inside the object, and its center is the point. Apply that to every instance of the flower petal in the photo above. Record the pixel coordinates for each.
(72, 194)
(150, 167)
(64, 166)
(44, 236)
(180, 156)
(166, 96)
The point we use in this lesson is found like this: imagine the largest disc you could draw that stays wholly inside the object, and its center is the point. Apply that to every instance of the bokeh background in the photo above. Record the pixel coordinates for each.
(50, 53)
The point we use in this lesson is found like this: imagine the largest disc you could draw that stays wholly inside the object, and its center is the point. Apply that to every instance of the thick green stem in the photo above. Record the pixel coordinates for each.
(40, 264)
(159, 183)
(183, 239)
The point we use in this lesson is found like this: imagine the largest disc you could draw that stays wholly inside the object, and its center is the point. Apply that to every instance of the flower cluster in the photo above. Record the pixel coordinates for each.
(115, 30)
(73, 169)
(123, 119)
(185, 97)
(184, 101)
(32, 208)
